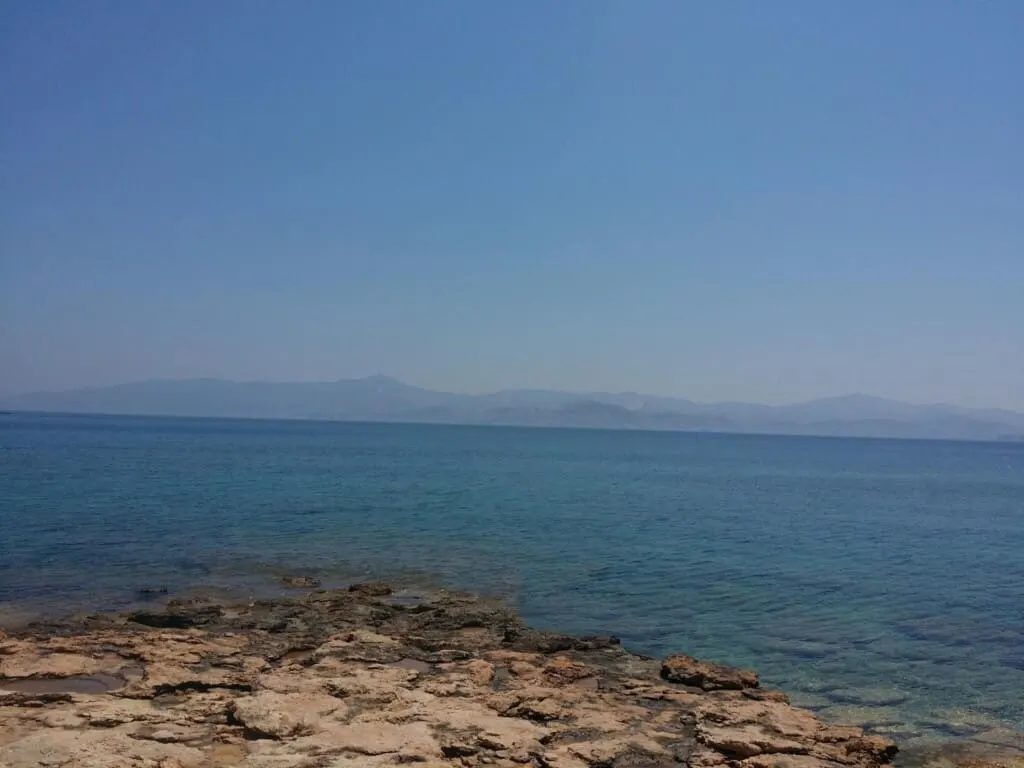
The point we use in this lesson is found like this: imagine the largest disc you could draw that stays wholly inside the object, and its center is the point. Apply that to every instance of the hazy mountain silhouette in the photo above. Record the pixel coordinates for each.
(381, 398)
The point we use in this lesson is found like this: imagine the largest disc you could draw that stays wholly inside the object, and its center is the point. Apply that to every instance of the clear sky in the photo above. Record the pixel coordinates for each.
(765, 201)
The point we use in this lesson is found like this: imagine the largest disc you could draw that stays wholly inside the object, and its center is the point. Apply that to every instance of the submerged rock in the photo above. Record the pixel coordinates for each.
(300, 582)
(353, 678)
(177, 617)
(874, 696)
(371, 589)
(150, 593)
(968, 755)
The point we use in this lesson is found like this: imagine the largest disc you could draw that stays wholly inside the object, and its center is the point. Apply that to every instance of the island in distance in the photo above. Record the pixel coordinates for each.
(381, 398)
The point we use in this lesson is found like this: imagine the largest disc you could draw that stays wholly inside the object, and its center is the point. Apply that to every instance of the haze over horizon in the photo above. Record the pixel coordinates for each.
(725, 202)
(499, 390)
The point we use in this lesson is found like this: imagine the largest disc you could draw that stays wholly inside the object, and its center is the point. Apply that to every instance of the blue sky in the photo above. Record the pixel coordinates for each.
(719, 200)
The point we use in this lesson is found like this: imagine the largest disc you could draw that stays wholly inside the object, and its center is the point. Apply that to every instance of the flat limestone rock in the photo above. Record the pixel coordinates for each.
(28, 663)
(359, 678)
(272, 715)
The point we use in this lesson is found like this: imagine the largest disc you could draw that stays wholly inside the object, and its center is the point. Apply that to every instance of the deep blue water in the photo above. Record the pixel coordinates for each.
(878, 581)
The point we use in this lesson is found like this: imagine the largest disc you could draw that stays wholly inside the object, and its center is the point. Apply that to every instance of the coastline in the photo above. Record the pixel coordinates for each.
(373, 676)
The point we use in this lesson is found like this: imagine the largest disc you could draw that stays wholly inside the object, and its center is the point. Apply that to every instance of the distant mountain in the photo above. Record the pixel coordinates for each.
(375, 397)
(380, 398)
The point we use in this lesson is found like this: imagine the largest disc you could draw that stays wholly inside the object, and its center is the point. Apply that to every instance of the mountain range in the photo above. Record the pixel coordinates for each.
(381, 398)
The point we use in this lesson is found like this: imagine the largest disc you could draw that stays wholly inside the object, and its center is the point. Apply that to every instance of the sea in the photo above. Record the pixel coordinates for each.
(878, 582)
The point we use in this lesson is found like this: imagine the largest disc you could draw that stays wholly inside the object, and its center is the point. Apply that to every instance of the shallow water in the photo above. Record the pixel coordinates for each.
(74, 684)
(877, 581)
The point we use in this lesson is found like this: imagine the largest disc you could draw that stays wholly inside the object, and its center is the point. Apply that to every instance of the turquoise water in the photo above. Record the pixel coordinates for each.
(878, 581)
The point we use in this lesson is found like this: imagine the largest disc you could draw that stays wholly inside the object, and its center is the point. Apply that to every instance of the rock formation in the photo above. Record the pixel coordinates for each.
(368, 677)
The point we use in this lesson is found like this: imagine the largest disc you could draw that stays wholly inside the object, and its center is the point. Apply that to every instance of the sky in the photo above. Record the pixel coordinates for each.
(729, 200)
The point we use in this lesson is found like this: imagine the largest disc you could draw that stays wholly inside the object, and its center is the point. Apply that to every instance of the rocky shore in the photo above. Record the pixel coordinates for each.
(373, 677)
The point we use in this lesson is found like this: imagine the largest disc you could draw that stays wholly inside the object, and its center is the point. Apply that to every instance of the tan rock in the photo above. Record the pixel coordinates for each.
(347, 681)
(225, 755)
(412, 741)
(57, 718)
(493, 732)
(273, 715)
(607, 751)
(563, 671)
(783, 761)
(344, 644)
(562, 757)
(705, 674)
(110, 712)
(173, 733)
(33, 664)
(524, 670)
(502, 702)
(343, 679)
(541, 710)
(508, 657)
(743, 728)
(94, 749)
(169, 678)
(480, 672)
